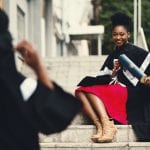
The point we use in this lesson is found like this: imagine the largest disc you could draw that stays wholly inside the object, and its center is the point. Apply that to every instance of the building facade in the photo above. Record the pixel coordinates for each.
(55, 27)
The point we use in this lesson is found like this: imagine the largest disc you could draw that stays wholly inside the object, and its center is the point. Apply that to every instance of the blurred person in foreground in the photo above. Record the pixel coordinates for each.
(29, 106)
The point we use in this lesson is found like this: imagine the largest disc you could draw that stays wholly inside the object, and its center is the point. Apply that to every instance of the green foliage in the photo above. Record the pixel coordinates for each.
(109, 7)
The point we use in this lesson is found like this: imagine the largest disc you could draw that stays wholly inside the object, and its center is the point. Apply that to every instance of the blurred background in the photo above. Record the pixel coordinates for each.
(73, 37)
(75, 28)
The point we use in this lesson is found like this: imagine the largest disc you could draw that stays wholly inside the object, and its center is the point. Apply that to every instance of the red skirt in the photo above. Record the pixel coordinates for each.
(114, 98)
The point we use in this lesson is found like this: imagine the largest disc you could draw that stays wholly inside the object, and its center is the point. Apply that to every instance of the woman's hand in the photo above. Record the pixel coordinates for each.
(116, 67)
(146, 80)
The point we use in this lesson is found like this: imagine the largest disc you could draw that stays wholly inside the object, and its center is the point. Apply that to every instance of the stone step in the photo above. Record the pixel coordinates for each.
(68, 71)
(82, 134)
(96, 146)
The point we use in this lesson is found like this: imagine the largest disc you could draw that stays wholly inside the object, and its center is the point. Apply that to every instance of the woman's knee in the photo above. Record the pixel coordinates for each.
(79, 94)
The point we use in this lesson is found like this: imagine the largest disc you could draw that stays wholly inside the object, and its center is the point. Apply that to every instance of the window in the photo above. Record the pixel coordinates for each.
(20, 23)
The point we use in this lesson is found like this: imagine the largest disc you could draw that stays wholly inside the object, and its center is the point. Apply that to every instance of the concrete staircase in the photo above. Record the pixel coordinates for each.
(67, 72)
(77, 137)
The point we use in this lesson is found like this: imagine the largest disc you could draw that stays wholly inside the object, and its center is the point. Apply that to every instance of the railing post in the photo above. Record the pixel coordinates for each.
(135, 22)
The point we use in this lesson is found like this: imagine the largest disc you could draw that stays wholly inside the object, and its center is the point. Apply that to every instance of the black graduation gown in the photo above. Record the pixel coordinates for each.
(138, 104)
(46, 111)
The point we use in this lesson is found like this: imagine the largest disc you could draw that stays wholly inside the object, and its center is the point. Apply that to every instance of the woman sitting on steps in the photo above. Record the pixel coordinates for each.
(114, 95)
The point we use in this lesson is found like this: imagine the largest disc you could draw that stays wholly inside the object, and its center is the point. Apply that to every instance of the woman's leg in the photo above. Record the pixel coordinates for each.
(98, 105)
(88, 110)
(109, 129)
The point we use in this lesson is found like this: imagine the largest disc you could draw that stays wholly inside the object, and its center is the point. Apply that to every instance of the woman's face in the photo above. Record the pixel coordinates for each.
(120, 35)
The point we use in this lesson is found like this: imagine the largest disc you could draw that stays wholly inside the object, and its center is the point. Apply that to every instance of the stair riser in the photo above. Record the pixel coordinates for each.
(108, 146)
(78, 146)
(83, 134)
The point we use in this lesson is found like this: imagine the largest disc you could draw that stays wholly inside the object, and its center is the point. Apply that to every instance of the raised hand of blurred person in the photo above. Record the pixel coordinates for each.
(33, 59)
(29, 54)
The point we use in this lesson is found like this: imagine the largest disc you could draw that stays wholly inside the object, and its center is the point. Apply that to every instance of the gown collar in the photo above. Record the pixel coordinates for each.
(122, 48)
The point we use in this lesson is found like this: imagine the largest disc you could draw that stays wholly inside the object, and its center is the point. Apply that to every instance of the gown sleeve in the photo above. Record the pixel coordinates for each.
(107, 63)
(52, 110)
(47, 111)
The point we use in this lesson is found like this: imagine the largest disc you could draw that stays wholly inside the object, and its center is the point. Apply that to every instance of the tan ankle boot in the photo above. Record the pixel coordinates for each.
(109, 131)
(98, 134)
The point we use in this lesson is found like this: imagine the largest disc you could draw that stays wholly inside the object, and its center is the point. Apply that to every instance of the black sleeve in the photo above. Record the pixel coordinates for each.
(98, 80)
(52, 110)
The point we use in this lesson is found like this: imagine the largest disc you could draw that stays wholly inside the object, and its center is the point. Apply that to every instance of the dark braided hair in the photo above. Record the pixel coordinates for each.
(120, 18)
